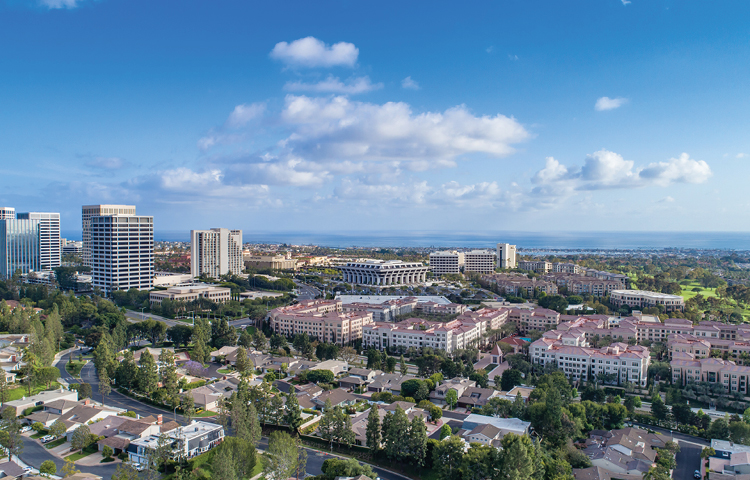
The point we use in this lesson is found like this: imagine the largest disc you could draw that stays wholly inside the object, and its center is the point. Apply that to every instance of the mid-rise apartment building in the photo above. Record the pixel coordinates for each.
(582, 284)
(49, 237)
(321, 319)
(216, 252)
(19, 247)
(541, 266)
(517, 284)
(687, 368)
(385, 311)
(479, 261)
(570, 351)
(89, 211)
(540, 319)
(419, 333)
(384, 272)
(646, 299)
(506, 255)
(122, 252)
(571, 268)
(447, 262)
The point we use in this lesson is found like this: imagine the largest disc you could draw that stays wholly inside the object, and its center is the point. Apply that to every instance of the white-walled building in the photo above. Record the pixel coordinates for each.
(384, 272)
(49, 237)
(541, 266)
(89, 211)
(418, 333)
(447, 262)
(7, 213)
(646, 299)
(191, 293)
(506, 255)
(321, 319)
(479, 261)
(122, 253)
(216, 252)
(571, 352)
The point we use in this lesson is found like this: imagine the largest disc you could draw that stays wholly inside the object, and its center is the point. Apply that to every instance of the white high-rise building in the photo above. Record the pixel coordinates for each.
(122, 252)
(479, 261)
(216, 252)
(49, 237)
(506, 255)
(7, 213)
(447, 262)
(89, 211)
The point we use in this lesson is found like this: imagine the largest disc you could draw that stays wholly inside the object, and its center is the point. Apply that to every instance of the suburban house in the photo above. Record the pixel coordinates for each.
(41, 399)
(627, 451)
(388, 382)
(476, 397)
(513, 393)
(336, 366)
(186, 442)
(338, 398)
(364, 373)
(460, 385)
(504, 425)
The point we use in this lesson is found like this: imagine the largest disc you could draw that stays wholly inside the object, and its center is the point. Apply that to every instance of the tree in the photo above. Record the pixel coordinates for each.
(451, 397)
(127, 371)
(107, 451)
(415, 389)
(105, 384)
(58, 429)
(511, 377)
(658, 409)
(69, 468)
(47, 375)
(345, 467)
(445, 431)
(241, 452)
(417, 441)
(447, 457)
(222, 465)
(394, 444)
(719, 429)
(293, 416)
(85, 391)
(372, 431)
(517, 458)
(81, 438)
(126, 472)
(10, 434)
(180, 335)
(3, 389)
(709, 451)
(187, 405)
(243, 364)
(148, 376)
(403, 368)
(48, 468)
(320, 376)
(348, 354)
(436, 413)
(259, 340)
(283, 456)
(222, 334)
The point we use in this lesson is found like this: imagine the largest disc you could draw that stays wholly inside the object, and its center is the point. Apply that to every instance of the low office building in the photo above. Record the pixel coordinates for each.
(447, 262)
(272, 262)
(321, 319)
(570, 351)
(191, 293)
(535, 266)
(646, 299)
(384, 272)
(479, 261)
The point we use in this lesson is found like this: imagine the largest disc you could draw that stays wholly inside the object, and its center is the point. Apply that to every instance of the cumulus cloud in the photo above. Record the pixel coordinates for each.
(605, 169)
(625, 2)
(333, 84)
(309, 52)
(606, 103)
(742, 155)
(409, 84)
(337, 128)
(243, 114)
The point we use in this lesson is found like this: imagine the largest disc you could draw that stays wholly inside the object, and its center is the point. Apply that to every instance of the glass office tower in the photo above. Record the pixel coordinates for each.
(19, 247)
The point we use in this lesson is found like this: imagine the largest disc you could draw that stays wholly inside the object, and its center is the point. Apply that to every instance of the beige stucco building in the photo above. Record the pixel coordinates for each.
(190, 293)
(321, 319)
(646, 299)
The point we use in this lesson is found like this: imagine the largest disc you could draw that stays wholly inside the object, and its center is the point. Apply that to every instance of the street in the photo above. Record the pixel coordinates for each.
(688, 460)
(306, 292)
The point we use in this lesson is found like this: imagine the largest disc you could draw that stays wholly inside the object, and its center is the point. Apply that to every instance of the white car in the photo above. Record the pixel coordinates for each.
(26, 429)
(139, 467)
(47, 438)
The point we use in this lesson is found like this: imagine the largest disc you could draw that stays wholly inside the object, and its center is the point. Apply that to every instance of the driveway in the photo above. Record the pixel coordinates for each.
(34, 454)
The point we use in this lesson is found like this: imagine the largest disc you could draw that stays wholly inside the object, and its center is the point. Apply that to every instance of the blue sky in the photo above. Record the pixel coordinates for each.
(370, 116)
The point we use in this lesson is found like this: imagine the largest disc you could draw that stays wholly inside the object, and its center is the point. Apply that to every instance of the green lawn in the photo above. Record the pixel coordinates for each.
(91, 449)
(20, 391)
(224, 370)
(202, 461)
(688, 293)
(40, 434)
(56, 443)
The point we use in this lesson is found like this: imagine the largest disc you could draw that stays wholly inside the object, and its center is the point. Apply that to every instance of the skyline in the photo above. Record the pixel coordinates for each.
(601, 116)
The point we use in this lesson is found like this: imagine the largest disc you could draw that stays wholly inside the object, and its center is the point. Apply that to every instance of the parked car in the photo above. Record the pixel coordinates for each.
(697, 474)
(47, 438)
(139, 467)
(26, 429)
(28, 470)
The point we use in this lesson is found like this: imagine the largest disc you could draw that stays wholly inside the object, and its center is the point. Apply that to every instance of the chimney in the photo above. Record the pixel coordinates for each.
(159, 419)
(87, 401)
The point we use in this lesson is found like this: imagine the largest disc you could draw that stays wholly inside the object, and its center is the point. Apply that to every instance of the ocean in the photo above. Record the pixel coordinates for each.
(739, 241)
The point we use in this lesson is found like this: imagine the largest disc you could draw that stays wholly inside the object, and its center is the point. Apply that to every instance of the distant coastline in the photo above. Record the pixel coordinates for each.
(525, 240)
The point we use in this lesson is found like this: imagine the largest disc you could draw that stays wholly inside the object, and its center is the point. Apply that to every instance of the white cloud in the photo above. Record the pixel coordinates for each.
(489, 49)
(742, 155)
(606, 103)
(242, 114)
(625, 2)
(409, 84)
(333, 84)
(667, 199)
(310, 52)
(57, 4)
(106, 163)
(605, 169)
(335, 129)
(513, 57)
